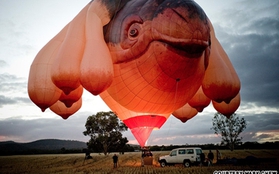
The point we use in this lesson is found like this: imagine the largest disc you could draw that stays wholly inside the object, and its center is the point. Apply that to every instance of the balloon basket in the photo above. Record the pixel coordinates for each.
(148, 160)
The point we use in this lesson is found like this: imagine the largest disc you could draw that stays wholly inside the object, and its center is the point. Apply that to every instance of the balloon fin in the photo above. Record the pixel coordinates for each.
(228, 109)
(60, 109)
(96, 69)
(220, 82)
(185, 113)
(71, 98)
(41, 89)
(65, 73)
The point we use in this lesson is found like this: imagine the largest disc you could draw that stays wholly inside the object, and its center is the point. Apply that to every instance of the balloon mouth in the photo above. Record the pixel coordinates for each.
(188, 49)
(188, 36)
(192, 47)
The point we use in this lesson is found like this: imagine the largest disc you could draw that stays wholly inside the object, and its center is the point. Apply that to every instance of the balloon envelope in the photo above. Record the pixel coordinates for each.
(148, 62)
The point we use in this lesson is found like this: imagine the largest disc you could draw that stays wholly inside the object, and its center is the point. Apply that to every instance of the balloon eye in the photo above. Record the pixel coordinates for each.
(134, 32)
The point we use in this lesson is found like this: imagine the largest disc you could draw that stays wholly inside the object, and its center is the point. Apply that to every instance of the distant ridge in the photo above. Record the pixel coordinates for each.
(41, 146)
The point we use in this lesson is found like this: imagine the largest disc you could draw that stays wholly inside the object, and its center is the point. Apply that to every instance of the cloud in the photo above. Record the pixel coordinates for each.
(248, 31)
(5, 101)
(262, 122)
(10, 82)
(13, 100)
(22, 130)
(12, 90)
(265, 136)
(198, 129)
(3, 63)
(195, 131)
(250, 37)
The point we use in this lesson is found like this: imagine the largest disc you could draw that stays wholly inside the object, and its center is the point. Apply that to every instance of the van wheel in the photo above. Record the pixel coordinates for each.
(187, 164)
(163, 164)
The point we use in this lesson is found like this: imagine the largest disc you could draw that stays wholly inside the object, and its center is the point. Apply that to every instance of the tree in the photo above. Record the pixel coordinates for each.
(229, 128)
(104, 130)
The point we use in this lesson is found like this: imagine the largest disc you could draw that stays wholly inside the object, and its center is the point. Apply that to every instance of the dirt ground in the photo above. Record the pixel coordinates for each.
(128, 163)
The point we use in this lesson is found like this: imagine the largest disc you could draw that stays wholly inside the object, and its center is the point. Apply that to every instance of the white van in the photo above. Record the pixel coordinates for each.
(187, 156)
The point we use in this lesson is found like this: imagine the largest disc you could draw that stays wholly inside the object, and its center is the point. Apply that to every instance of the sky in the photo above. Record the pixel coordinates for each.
(248, 31)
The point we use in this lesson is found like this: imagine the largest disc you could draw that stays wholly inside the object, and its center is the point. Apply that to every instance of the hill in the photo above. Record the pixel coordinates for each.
(41, 146)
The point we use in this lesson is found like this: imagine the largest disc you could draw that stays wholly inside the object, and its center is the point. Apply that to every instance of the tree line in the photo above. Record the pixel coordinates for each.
(245, 145)
(105, 131)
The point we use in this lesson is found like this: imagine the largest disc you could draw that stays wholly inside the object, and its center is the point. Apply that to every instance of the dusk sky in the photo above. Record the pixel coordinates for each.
(247, 29)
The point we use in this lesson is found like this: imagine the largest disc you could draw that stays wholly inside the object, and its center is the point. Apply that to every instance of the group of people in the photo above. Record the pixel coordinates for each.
(208, 160)
(210, 157)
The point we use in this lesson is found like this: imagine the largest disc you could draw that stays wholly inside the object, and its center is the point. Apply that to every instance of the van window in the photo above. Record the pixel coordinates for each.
(198, 151)
(173, 153)
(182, 151)
(190, 151)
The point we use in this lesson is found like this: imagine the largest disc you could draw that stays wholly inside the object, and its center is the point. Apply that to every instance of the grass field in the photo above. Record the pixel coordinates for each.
(129, 163)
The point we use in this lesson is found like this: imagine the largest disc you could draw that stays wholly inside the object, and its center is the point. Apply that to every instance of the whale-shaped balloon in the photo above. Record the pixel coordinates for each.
(145, 58)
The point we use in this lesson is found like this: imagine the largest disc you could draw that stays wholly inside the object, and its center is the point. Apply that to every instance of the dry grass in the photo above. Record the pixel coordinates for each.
(128, 163)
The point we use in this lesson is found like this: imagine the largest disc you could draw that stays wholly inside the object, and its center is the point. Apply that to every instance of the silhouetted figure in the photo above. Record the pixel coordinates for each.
(210, 157)
(115, 160)
(87, 154)
(218, 154)
(202, 156)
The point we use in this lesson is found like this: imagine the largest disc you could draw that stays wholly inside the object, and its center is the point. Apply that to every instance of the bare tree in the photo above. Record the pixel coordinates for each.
(228, 128)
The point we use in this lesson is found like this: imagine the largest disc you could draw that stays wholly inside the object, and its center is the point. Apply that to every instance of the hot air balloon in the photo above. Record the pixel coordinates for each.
(145, 58)
(185, 113)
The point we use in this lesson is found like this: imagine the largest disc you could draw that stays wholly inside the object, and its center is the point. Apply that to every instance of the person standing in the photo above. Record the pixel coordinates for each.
(218, 154)
(202, 158)
(210, 157)
(115, 160)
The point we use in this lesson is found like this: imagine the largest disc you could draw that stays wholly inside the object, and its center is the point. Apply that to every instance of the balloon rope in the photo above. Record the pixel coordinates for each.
(175, 98)
(171, 121)
(176, 88)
